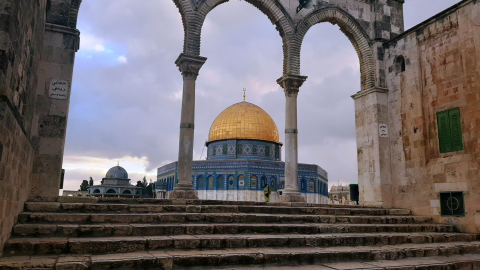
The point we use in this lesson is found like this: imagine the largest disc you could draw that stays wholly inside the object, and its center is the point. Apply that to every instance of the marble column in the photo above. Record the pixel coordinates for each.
(291, 85)
(189, 67)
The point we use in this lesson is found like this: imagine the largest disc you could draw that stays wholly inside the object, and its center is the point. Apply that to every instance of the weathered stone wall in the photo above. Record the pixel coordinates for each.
(21, 40)
(61, 41)
(442, 72)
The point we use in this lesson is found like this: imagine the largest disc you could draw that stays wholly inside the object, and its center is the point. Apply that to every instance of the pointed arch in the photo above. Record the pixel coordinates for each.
(185, 9)
(193, 18)
(354, 32)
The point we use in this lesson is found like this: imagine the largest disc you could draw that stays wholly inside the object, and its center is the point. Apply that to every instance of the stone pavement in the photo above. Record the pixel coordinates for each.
(116, 233)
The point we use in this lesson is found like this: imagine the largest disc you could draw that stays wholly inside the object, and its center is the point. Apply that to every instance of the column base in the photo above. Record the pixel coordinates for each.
(291, 197)
(184, 194)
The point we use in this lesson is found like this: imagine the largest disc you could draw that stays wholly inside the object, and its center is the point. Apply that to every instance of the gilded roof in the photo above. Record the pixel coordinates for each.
(244, 120)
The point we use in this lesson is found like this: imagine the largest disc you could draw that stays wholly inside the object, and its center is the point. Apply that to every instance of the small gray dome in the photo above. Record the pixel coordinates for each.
(117, 172)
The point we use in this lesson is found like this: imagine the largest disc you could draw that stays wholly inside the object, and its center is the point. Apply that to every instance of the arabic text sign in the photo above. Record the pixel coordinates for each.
(59, 89)
(383, 130)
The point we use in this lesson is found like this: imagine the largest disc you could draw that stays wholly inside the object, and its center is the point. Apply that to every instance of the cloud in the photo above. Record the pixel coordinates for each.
(133, 110)
(90, 42)
(122, 59)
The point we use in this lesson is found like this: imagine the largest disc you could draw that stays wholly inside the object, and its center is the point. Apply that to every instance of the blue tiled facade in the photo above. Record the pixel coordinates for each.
(244, 174)
(244, 149)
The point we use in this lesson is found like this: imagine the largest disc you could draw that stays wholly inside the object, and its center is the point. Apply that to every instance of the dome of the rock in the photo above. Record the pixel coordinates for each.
(244, 120)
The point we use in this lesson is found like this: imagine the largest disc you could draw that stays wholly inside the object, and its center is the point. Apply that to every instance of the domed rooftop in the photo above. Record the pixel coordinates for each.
(244, 120)
(117, 172)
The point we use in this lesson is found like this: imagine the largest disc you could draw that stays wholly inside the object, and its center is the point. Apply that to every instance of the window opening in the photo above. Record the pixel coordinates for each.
(450, 131)
(400, 64)
(452, 204)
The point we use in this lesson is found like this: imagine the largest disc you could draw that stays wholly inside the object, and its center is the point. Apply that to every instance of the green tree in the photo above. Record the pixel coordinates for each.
(147, 192)
(84, 186)
(144, 181)
(91, 181)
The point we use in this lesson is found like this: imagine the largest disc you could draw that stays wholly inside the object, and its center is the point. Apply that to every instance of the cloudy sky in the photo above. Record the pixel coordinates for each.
(126, 96)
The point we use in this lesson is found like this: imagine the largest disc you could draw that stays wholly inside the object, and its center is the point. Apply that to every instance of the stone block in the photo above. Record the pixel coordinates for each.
(76, 207)
(118, 207)
(174, 208)
(291, 198)
(195, 229)
(186, 242)
(64, 199)
(68, 230)
(166, 218)
(146, 208)
(42, 207)
(193, 209)
(184, 194)
(106, 245)
(91, 230)
(72, 266)
(399, 212)
(212, 242)
(159, 242)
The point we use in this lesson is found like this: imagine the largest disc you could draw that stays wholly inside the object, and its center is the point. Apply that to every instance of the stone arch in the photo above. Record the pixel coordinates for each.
(273, 183)
(210, 182)
(183, 6)
(241, 182)
(193, 18)
(263, 182)
(349, 26)
(311, 186)
(303, 185)
(200, 183)
(253, 182)
(220, 182)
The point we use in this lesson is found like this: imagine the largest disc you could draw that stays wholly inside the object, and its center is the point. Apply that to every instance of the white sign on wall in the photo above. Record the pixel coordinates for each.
(383, 130)
(59, 89)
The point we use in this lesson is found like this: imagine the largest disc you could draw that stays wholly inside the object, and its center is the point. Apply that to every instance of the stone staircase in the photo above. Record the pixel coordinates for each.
(117, 233)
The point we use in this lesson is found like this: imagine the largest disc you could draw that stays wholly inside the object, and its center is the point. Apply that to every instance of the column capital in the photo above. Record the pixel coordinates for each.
(190, 65)
(291, 83)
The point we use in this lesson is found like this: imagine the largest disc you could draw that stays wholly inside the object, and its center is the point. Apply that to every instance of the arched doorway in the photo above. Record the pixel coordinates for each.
(200, 182)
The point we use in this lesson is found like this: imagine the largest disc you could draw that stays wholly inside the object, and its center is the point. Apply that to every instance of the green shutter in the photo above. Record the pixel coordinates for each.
(444, 132)
(456, 130)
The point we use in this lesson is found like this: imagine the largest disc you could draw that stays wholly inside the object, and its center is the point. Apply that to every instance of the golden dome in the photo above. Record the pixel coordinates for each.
(244, 120)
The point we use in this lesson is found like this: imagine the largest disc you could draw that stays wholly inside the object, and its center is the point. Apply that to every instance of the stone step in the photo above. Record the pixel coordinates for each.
(152, 208)
(181, 259)
(461, 262)
(102, 230)
(83, 218)
(66, 199)
(107, 245)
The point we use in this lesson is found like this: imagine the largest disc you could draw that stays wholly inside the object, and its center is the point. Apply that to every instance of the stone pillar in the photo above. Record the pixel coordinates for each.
(291, 85)
(60, 43)
(373, 147)
(189, 67)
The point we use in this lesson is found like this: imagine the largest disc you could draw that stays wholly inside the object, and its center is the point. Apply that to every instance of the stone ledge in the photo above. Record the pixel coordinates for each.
(291, 198)
(184, 194)
(422, 256)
